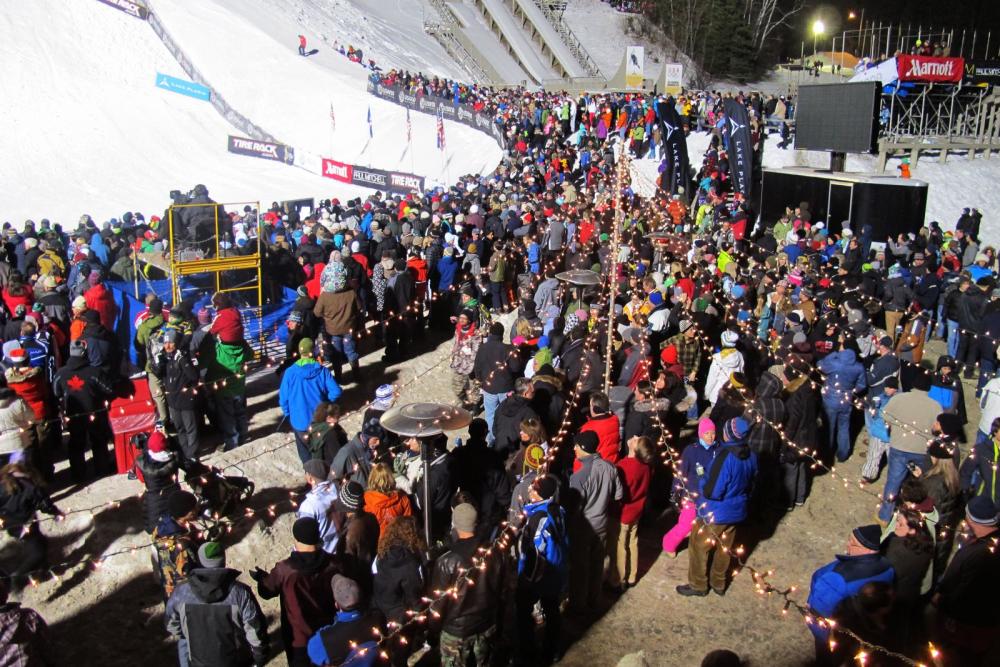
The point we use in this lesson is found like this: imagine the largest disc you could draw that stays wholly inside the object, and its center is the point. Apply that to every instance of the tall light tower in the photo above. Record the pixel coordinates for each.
(818, 28)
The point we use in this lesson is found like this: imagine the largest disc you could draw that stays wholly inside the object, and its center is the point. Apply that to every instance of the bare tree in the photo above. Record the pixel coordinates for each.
(766, 16)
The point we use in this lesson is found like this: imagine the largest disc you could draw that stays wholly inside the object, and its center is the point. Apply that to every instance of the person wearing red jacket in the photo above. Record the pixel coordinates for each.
(30, 384)
(636, 471)
(302, 45)
(227, 326)
(99, 298)
(605, 425)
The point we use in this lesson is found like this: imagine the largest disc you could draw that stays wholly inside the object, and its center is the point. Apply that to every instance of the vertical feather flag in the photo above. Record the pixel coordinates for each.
(371, 132)
(333, 118)
(409, 127)
(440, 132)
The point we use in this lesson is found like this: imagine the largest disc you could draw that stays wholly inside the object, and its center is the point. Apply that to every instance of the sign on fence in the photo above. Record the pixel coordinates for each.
(189, 88)
(927, 68)
(262, 149)
(129, 7)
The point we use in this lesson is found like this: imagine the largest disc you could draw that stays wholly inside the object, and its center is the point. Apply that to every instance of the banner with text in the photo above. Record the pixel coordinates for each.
(367, 177)
(673, 79)
(740, 148)
(982, 72)
(262, 149)
(445, 107)
(129, 7)
(927, 68)
(189, 88)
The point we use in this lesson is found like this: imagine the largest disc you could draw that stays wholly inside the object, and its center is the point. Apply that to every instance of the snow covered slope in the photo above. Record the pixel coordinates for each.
(86, 131)
(253, 62)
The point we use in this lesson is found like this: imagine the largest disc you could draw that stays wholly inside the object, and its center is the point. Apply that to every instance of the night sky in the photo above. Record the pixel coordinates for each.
(981, 15)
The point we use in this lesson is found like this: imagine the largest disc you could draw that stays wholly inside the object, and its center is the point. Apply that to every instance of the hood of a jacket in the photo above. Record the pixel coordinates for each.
(308, 561)
(397, 557)
(310, 369)
(376, 502)
(844, 358)
(730, 358)
(211, 584)
(768, 386)
(513, 405)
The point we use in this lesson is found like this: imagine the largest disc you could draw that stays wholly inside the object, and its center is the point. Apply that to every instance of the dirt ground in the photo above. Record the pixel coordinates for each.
(112, 613)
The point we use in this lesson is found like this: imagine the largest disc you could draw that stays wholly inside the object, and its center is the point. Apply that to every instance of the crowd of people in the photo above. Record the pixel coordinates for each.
(742, 361)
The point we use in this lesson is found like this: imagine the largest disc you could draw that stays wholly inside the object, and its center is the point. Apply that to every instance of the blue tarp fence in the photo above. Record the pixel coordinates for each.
(272, 318)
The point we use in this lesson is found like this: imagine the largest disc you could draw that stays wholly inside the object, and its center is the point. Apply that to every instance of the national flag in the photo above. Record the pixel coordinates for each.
(409, 127)
(440, 132)
(333, 118)
(371, 131)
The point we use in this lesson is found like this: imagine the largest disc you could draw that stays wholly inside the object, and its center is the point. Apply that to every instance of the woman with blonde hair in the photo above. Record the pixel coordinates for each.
(383, 499)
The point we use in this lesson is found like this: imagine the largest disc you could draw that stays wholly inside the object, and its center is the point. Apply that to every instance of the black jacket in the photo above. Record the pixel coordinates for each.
(495, 365)
(801, 409)
(970, 586)
(161, 481)
(767, 405)
(180, 377)
(477, 607)
(971, 307)
(548, 402)
(82, 388)
(399, 584)
(19, 507)
(507, 423)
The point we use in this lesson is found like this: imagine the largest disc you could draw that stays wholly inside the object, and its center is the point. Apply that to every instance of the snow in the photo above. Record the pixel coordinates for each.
(257, 68)
(487, 43)
(86, 131)
(525, 49)
(954, 185)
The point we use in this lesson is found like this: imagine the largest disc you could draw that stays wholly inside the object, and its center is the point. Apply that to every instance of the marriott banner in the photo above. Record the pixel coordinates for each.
(928, 69)
(377, 179)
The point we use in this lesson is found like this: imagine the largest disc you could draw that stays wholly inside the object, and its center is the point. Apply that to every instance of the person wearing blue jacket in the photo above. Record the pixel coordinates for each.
(723, 502)
(844, 577)
(304, 386)
(845, 377)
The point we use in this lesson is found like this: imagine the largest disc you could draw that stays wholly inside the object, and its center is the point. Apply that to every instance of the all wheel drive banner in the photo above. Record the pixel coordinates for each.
(929, 69)
(262, 149)
(441, 107)
(739, 146)
(367, 177)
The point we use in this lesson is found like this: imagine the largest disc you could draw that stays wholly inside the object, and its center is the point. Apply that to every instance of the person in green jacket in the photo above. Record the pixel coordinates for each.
(226, 378)
(147, 345)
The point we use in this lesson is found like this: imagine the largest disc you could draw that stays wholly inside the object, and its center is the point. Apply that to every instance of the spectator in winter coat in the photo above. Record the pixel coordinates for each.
(844, 379)
(354, 460)
(319, 502)
(383, 500)
(724, 363)
(509, 415)
(24, 634)
(349, 639)
(15, 428)
(724, 498)
(179, 377)
(227, 327)
(844, 577)
(215, 618)
(606, 426)
(543, 557)
(911, 417)
(966, 614)
(158, 465)
(800, 429)
(496, 364)
(399, 570)
(765, 440)
(636, 472)
(303, 387)
(338, 307)
(597, 488)
(99, 298)
(302, 581)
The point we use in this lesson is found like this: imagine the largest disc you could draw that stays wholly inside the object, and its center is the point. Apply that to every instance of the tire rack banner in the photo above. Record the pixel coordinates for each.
(262, 149)
(129, 7)
(928, 69)
(445, 107)
(393, 181)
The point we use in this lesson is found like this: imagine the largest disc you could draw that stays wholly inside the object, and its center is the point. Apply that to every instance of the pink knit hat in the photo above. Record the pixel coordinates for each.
(706, 425)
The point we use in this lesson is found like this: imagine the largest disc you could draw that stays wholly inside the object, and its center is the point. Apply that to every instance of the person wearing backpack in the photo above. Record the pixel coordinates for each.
(542, 572)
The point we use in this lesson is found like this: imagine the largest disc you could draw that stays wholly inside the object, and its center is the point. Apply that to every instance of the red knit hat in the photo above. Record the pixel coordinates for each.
(157, 442)
(669, 355)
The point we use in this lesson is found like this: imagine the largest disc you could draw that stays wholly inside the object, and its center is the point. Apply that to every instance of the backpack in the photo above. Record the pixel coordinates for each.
(550, 542)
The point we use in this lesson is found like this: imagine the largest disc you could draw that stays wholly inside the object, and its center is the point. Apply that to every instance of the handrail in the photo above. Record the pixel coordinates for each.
(569, 38)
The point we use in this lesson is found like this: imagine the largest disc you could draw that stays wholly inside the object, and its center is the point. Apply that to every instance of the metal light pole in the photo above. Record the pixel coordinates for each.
(616, 235)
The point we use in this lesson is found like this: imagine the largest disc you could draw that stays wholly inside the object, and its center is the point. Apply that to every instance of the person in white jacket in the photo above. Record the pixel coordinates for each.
(990, 404)
(15, 427)
(725, 362)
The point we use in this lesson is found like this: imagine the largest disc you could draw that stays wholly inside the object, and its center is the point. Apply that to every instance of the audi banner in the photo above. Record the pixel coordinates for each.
(929, 69)
(262, 149)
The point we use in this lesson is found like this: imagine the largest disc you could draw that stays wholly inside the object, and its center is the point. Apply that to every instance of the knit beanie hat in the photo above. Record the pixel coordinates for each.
(705, 426)
(735, 429)
(306, 531)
